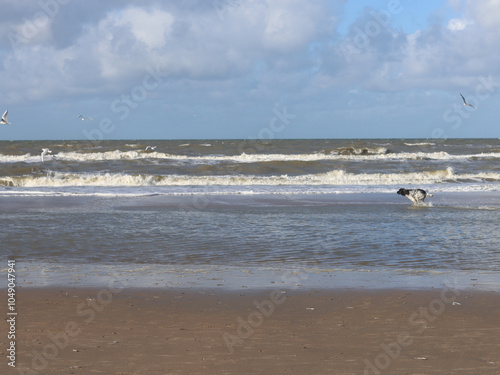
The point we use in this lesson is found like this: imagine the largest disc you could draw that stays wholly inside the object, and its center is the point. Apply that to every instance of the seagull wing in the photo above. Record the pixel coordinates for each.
(465, 103)
(4, 120)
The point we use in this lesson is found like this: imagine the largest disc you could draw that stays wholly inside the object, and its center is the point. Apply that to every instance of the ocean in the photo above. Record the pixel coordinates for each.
(252, 213)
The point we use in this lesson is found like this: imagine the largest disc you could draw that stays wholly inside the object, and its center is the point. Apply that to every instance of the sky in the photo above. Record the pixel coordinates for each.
(249, 69)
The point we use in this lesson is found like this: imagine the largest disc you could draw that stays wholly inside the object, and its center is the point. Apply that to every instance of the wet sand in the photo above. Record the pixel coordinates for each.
(196, 331)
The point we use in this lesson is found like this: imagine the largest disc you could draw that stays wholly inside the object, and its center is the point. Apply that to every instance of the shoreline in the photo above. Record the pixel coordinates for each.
(191, 331)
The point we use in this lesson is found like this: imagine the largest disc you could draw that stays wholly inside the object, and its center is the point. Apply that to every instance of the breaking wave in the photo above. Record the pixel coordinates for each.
(347, 153)
(335, 177)
(420, 144)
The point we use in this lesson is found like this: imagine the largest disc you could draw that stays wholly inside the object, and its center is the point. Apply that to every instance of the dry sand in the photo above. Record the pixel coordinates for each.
(93, 331)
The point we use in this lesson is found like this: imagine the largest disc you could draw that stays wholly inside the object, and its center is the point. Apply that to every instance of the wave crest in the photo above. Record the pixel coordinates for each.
(335, 177)
(346, 153)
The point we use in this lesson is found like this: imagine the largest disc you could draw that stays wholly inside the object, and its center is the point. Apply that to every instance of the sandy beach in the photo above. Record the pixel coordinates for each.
(208, 331)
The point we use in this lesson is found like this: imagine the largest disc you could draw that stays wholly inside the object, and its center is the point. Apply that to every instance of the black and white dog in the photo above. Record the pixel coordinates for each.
(417, 196)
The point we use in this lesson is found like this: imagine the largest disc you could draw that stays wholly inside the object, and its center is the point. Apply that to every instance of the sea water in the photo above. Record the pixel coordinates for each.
(239, 213)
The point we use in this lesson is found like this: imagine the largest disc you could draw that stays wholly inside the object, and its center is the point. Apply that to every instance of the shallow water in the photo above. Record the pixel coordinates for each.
(327, 233)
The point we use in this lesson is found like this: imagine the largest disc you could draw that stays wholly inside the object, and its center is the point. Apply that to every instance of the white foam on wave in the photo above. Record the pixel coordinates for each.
(353, 155)
(420, 144)
(258, 158)
(335, 177)
(26, 158)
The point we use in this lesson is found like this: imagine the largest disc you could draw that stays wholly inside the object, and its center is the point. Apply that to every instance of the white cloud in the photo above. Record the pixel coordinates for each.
(36, 31)
(486, 12)
(290, 24)
(149, 26)
(457, 24)
(114, 48)
(439, 57)
(255, 47)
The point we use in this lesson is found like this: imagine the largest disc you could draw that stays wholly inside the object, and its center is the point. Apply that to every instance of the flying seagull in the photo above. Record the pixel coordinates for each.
(465, 103)
(45, 151)
(4, 121)
(85, 118)
(152, 148)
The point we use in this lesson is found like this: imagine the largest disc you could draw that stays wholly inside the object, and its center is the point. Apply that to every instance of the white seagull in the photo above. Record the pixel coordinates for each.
(4, 121)
(85, 118)
(152, 148)
(45, 151)
(465, 103)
